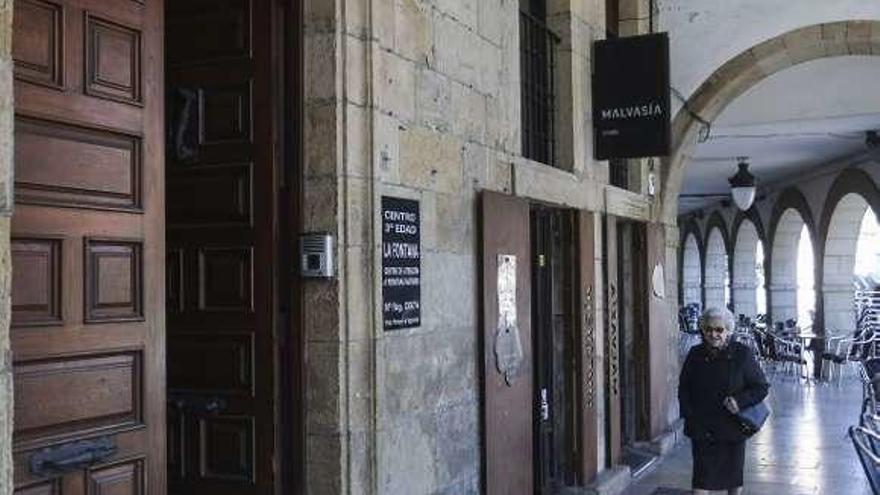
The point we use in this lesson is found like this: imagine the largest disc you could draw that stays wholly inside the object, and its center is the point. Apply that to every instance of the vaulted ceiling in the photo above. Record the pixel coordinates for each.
(795, 121)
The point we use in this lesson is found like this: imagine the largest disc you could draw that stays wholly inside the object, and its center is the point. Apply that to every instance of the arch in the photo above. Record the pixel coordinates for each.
(752, 216)
(792, 198)
(716, 221)
(744, 279)
(743, 71)
(692, 276)
(716, 270)
(838, 262)
(689, 226)
(790, 214)
(716, 264)
(690, 230)
(850, 180)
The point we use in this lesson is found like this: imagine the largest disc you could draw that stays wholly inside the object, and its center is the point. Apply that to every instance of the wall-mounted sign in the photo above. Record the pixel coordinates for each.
(508, 346)
(401, 264)
(631, 111)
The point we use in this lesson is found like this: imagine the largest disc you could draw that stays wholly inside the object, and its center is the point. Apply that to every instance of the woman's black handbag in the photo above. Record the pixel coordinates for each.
(752, 418)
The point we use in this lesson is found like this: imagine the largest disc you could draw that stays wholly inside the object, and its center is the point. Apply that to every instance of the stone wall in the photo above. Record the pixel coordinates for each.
(6, 114)
(421, 99)
(417, 99)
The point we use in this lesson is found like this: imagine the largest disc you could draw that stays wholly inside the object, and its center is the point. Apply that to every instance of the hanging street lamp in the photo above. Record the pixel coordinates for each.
(742, 185)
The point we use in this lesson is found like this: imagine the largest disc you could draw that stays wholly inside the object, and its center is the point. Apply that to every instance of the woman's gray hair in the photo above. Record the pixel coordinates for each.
(717, 314)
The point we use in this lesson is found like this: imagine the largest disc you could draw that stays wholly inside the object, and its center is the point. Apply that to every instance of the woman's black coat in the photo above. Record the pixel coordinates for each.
(708, 377)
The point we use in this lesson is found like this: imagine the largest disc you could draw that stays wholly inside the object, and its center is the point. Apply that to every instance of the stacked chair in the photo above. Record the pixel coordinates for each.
(846, 351)
(866, 435)
(688, 326)
(865, 441)
(776, 352)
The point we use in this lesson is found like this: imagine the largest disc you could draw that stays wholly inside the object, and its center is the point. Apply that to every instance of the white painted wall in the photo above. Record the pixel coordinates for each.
(704, 34)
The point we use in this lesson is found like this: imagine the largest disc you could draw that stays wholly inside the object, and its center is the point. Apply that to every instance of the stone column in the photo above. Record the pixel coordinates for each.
(784, 297)
(745, 298)
(839, 309)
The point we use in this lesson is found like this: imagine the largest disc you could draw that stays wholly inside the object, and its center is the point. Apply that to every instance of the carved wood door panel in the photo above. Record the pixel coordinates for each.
(507, 346)
(88, 248)
(221, 254)
(612, 343)
(589, 332)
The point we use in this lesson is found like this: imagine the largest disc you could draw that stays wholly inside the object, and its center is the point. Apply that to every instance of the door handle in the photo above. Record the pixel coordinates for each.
(71, 456)
(545, 405)
(198, 405)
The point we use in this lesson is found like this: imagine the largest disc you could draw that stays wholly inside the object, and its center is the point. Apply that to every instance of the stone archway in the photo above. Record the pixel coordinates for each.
(691, 278)
(744, 283)
(838, 263)
(783, 273)
(716, 275)
(790, 214)
(744, 71)
(716, 262)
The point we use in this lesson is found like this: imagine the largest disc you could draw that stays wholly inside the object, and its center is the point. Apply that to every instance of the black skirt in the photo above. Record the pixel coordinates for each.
(718, 465)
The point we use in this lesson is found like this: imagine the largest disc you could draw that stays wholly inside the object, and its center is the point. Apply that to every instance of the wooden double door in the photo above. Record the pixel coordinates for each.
(145, 247)
(538, 346)
(554, 346)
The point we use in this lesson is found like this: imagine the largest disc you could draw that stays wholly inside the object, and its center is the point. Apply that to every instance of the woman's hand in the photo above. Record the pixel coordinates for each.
(731, 405)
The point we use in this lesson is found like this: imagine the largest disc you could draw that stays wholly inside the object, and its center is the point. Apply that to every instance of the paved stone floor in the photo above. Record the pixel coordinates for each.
(803, 449)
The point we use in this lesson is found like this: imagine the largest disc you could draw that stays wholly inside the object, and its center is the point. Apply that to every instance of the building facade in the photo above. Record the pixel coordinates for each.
(546, 346)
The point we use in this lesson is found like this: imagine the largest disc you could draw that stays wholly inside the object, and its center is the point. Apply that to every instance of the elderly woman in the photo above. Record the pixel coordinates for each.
(719, 378)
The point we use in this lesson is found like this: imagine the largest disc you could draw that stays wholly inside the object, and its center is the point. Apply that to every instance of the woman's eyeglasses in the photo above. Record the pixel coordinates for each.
(714, 329)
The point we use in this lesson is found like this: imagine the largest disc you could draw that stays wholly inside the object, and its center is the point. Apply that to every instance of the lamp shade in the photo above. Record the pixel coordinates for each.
(742, 186)
(744, 197)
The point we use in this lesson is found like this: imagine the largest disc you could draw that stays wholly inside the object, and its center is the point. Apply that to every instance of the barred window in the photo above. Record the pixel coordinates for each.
(537, 46)
(619, 176)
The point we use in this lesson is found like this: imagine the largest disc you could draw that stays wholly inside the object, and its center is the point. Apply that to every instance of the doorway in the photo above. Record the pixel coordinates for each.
(632, 274)
(230, 205)
(146, 334)
(554, 293)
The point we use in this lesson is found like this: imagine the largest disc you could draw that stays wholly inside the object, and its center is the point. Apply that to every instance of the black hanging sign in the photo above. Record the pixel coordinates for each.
(401, 264)
(631, 111)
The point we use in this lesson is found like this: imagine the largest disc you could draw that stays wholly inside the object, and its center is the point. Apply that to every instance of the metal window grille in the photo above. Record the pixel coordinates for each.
(619, 172)
(538, 45)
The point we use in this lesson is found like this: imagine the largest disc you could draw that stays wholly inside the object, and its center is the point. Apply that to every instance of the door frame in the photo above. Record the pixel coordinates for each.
(544, 295)
(290, 388)
(287, 59)
(588, 329)
(636, 364)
